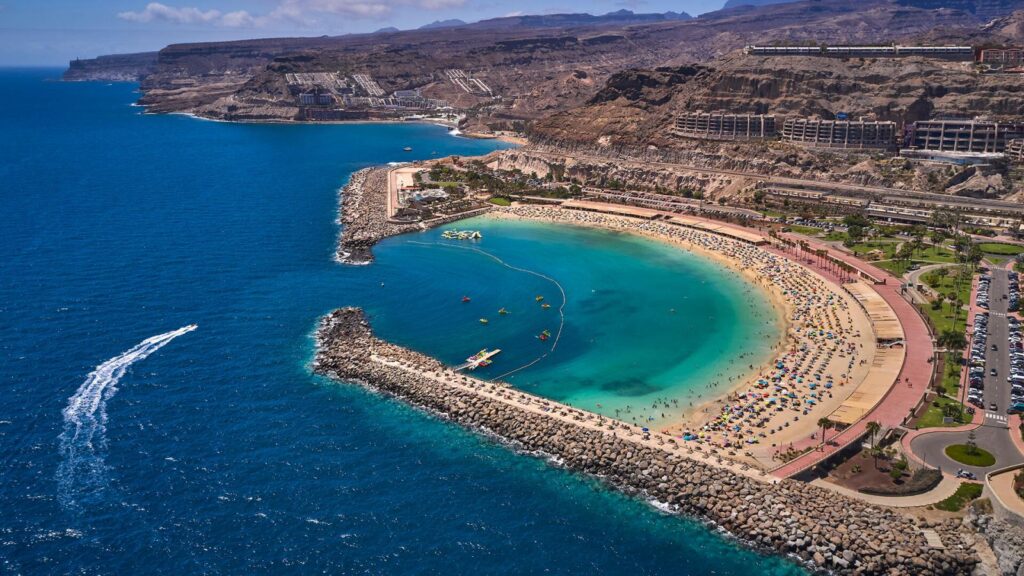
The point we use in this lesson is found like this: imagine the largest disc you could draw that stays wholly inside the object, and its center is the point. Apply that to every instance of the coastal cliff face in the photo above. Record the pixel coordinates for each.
(113, 68)
(823, 529)
(633, 117)
(638, 107)
(534, 66)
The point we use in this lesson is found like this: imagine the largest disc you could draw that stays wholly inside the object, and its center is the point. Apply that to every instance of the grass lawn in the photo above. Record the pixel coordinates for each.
(981, 458)
(892, 266)
(935, 255)
(836, 236)
(995, 260)
(1001, 249)
(888, 247)
(944, 284)
(805, 230)
(951, 378)
(499, 201)
(932, 418)
(942, 319)
(964, 494)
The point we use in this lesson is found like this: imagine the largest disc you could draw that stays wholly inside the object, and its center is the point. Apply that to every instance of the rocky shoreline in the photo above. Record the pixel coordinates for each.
(364, 219)
(363, 216)
(823, 530)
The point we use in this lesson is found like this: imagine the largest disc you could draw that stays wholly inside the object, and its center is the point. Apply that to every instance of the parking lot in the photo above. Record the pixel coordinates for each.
(996, 358)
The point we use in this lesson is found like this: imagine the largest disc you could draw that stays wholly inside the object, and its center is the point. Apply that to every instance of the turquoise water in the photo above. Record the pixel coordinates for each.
(131, 445)
(644, 321)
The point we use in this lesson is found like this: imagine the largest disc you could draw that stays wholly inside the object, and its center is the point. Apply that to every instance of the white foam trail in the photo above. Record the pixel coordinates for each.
(83, 441)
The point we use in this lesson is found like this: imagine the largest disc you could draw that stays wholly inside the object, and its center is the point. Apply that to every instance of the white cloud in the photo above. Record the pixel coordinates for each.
(238, 19)
(439, 4)
(346, 7)
(156, 11)
(301, 12)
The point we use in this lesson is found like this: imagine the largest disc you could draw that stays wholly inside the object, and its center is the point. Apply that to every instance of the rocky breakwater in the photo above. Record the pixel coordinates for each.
(823, 530)
(364, 217)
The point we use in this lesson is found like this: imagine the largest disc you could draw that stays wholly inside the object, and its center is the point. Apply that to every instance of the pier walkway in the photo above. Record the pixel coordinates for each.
(525, 401)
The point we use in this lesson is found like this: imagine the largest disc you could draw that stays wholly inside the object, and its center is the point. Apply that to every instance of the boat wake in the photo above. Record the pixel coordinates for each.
(82, 471)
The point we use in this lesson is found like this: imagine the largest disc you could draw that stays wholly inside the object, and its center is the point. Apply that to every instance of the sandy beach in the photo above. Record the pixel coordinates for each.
(825, 350)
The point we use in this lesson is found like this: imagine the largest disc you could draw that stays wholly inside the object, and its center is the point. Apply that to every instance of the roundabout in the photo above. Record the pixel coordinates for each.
(941, 450)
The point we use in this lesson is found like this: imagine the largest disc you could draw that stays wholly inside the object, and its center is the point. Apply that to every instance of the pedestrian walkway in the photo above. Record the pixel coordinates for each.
(995, 419)
(914, 377)
(944, 490)
(1015, 432)
(1001, 485)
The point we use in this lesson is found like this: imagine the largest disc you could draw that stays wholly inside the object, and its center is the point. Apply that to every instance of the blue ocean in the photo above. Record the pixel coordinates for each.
(160, 281)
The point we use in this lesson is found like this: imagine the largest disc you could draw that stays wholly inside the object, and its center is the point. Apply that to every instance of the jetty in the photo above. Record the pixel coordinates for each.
(826, 531)
(368, 214)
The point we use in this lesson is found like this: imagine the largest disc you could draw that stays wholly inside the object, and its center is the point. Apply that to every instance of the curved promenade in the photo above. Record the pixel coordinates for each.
(903, 396)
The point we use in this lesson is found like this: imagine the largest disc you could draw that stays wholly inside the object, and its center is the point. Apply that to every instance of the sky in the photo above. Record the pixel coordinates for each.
(52, 32)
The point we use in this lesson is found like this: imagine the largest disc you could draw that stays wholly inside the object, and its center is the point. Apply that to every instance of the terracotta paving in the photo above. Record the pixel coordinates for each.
(913, 377)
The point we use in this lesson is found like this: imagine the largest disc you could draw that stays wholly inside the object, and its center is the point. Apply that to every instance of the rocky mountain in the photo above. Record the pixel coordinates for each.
(981, 9)
(617, 18)
(438, 24)
(638, 107)
(738, 3)
(632, 117)
(528, 67)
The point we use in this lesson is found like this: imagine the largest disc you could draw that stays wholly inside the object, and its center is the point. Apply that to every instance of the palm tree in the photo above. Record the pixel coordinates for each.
(825, 424)
(873, 429)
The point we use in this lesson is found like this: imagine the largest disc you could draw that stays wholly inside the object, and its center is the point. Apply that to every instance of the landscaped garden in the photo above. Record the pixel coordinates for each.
(883, 471)
(963, 495)
(940, 409)
(954, 288)
(1000, 249)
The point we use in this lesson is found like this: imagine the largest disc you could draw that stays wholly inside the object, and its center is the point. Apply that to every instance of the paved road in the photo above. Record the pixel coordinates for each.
(913, 278)
(932, 449)
(994, 434)
(997, 389)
